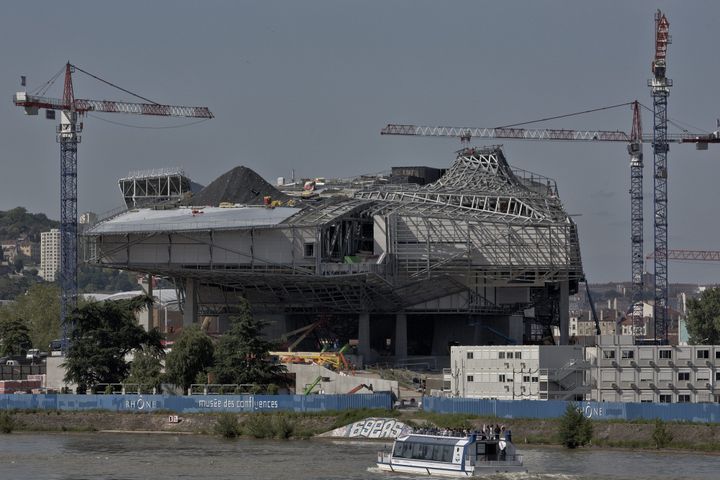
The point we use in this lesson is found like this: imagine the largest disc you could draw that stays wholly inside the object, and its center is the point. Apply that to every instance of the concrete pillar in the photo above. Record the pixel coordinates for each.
(149, 317)
(364, 335)
(564, 312)
(400, 336)
(190, 308)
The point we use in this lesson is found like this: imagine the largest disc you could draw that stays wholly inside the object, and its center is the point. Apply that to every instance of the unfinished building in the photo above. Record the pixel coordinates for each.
(485, 254)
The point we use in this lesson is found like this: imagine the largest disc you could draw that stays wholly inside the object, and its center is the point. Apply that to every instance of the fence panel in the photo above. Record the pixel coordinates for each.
(686, 412)
(195, 403)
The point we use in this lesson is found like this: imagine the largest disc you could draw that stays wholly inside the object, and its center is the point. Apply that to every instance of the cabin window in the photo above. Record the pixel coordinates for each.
(518, 355)
(509, 354)
(423, 451)
(665, 354)
(469, 355)
(501, 354)
(703, 354)
(309, 250)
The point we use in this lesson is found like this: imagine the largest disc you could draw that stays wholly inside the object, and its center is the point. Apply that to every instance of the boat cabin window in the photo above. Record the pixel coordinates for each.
(486, 451)
(423, 451)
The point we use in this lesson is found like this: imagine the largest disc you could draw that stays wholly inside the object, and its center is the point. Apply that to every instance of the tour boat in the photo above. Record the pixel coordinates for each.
(451, 456)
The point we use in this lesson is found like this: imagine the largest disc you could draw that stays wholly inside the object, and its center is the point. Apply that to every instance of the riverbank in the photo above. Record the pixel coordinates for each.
(607, 434)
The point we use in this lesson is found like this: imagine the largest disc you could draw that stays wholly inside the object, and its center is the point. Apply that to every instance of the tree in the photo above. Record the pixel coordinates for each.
(191, 354)
(703, 320)
(14, 338)
(40, 308)
(145, 370)
(575, 429)
(103, 334)
(241, 355)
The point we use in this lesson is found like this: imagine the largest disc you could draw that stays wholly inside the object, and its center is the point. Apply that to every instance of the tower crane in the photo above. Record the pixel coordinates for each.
(72, 111)
(660, 87)
(635, 139)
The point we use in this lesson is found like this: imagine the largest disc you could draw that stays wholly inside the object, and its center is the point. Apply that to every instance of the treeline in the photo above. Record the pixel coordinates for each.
(18, 222)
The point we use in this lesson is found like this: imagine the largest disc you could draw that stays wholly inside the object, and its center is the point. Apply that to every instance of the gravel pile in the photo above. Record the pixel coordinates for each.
(239, 185)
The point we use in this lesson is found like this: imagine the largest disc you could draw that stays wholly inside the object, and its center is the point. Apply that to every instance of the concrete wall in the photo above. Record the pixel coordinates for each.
(338, 383)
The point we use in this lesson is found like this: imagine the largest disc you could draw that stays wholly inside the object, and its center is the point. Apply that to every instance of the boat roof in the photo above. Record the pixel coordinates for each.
(433, 439)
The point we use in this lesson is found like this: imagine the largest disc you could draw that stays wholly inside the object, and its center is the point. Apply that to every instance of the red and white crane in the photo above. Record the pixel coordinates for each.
(68, 135)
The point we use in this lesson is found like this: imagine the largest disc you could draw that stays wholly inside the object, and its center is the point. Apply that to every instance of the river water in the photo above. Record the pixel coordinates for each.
(114, 456)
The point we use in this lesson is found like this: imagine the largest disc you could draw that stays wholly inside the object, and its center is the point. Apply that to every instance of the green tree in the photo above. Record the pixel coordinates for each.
(191, 354)
(145, 370)
(703, 320)
(241, 355)
(14, 338)
(103, 334)
(575, 429)
(40, 308)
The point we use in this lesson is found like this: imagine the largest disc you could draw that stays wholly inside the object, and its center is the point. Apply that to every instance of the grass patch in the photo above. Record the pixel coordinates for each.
(277, 425)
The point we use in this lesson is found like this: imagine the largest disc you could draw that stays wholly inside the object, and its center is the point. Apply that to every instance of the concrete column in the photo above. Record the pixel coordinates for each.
(400, 336)
(190, 309)
(564, 312)
(149, 318)
(364, 335)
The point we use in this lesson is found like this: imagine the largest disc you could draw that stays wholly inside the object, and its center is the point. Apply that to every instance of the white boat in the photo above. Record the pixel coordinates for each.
(437, 455)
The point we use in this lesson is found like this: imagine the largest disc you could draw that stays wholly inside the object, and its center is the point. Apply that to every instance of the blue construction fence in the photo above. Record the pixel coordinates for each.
(678, 412)
(195, 403)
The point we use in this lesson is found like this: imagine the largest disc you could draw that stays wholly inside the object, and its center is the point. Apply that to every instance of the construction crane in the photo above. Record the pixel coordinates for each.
(660, 87)
(690, 255)
(72, 111)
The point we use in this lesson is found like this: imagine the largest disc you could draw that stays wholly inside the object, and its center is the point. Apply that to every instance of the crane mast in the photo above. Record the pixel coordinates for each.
(636, 221)
(68, 136)
(660, 88)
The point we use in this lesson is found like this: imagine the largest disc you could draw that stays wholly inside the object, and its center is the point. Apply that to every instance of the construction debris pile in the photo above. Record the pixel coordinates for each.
(239, 185)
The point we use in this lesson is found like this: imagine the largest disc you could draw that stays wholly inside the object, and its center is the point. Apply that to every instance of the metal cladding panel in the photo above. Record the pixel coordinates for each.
(685, 412)
(189, 219)
(195, 403)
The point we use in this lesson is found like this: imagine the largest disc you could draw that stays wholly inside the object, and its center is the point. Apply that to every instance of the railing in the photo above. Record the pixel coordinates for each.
(384, 457)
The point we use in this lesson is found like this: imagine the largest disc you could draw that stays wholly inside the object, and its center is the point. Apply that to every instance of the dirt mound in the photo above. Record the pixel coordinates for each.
(239, 185)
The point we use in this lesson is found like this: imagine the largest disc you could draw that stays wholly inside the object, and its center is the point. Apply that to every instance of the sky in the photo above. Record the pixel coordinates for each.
(307, 85)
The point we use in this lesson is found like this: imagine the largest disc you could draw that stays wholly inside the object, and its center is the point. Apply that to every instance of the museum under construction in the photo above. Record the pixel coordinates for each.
(403, 265)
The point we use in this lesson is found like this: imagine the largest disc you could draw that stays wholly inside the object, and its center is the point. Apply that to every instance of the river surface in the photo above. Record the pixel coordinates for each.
(114, 456)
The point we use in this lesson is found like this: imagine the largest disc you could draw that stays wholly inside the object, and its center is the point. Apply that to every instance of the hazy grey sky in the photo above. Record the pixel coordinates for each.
(308, 85)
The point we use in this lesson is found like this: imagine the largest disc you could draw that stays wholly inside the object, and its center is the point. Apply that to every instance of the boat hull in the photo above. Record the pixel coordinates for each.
(479, 471)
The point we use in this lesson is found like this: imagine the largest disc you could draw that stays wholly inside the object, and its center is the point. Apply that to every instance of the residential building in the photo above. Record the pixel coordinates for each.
(50, 254)
(623, 372)
(522, 372)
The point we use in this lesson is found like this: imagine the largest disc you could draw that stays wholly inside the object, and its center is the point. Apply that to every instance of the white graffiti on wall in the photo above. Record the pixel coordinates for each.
(373, 428)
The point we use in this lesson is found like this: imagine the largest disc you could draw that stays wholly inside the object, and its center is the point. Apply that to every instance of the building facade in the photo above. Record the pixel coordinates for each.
(623, 372)
(50, 254)
(523, 372)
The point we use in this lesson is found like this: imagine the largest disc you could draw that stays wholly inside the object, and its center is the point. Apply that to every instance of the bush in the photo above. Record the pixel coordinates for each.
(7, 422)
(661, 436)
(227, 425)
(575, 429)
(272, 389)
(271, 426)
